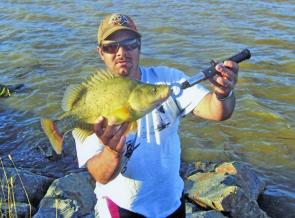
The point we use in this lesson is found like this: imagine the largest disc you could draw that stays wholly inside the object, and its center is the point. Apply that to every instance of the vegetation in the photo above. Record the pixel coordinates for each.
(8, 202)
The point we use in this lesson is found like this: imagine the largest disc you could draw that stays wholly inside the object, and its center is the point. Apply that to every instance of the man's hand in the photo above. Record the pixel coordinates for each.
(105, 165)
(111, 135)
(220, 104)
(225, 81)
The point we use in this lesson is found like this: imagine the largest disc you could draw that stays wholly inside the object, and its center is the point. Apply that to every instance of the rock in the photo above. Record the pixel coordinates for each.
(69, 196)
(188, 169)
(205, 214)
(245, 177)
(206, 166)
(34, 185)
(21, 210)
(53, 207)
(193, 211)
(232, 187)
(277, 203)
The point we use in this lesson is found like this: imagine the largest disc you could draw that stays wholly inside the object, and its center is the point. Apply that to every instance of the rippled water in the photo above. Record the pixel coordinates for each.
(48, 45)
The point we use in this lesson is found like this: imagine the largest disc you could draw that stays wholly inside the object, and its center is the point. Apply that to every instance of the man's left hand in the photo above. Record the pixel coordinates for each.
(225, 81)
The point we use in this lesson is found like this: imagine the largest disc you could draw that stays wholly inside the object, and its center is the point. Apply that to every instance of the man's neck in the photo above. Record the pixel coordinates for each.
(136, 75)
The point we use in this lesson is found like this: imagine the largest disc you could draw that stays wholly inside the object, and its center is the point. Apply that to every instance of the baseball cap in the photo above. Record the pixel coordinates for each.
(114, 22)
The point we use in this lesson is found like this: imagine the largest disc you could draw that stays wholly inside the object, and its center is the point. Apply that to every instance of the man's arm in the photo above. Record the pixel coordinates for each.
(220, 104)
(104, 166)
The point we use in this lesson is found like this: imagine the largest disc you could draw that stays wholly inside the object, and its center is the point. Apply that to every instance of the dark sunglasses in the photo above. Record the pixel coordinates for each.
(112, 47)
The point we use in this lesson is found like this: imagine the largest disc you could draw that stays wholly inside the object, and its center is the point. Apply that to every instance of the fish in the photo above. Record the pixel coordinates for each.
(116, 98)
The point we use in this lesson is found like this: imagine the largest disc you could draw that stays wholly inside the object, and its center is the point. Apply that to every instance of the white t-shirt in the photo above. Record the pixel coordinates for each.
(149, 182)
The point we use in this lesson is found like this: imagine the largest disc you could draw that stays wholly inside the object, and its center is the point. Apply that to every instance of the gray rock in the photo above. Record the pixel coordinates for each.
(20, 210)
(205, 214)
(187, 169)
(233, 188)
(245, 177)
(277, 203)
(193, 211)
(53, 207)
(34, 185)
(69, 196)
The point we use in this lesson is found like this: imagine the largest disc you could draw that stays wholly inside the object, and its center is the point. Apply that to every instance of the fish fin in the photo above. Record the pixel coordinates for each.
(132, 127)
(121, 114)
(73, 92)
(100, 76)
(104, 74)
(71, 96)
(82, 134)
(55, 138)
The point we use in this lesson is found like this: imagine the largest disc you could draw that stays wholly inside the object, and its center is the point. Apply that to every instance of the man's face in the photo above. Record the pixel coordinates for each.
(123, 62)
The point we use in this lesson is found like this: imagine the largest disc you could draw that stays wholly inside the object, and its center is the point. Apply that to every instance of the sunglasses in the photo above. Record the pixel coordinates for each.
(111, 47)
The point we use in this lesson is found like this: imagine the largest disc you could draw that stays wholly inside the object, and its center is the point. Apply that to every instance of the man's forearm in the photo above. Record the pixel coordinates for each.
(104, 166)
(222, 108)
(212, 108)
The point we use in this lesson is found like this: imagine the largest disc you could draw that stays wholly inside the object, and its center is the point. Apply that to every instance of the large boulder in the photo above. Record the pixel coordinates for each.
(277, 203)
(17, 210)
(23, 184)
(245, 177)
(193, 211)
(69, 196)
(232, 188)
(21, 191)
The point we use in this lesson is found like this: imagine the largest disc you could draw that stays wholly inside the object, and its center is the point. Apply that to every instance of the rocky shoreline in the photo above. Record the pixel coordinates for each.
(212, 189)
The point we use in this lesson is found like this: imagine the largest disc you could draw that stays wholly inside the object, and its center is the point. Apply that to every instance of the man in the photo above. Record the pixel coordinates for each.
(138, 175)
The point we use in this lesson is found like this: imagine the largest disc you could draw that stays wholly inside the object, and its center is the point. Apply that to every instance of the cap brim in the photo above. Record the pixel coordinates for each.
(115, 29)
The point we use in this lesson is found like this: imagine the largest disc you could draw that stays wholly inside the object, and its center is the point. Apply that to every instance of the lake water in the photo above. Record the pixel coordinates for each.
(48, 45)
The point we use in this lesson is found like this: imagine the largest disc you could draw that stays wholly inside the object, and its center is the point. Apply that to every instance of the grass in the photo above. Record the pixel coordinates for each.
(56, 206)
(23, 186)
(2, 188)
(7, 201)
(8, 204)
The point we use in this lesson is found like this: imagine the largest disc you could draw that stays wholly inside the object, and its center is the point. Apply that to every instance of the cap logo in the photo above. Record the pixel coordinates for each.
(119, 19)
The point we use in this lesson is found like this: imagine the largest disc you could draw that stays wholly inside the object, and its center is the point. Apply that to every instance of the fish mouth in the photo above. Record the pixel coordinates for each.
(165, 95)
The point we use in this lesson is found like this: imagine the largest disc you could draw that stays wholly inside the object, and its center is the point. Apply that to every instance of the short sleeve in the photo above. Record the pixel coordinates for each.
(190, 98)
(87, 149)
(187, 99)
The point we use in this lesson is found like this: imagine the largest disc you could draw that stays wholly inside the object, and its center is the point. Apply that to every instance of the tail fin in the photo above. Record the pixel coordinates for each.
(54, 137)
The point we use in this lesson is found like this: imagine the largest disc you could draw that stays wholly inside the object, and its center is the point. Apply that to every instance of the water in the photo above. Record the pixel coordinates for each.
(48, 45)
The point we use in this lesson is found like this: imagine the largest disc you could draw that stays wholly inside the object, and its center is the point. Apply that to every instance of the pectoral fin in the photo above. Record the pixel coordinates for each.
(132, 127)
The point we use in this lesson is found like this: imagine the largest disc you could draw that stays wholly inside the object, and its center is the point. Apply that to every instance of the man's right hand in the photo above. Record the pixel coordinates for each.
(105, 165)
(111, 135)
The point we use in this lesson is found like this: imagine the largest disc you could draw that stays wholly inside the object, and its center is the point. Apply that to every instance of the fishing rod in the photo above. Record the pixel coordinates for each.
(211, 71)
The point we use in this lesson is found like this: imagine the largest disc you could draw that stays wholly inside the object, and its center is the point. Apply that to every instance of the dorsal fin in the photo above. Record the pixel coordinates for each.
(100, 76)
(72, 94)
(82, 134)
